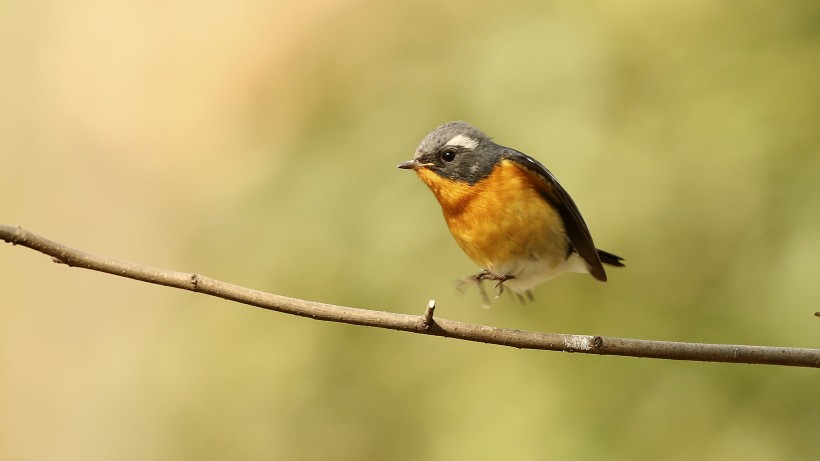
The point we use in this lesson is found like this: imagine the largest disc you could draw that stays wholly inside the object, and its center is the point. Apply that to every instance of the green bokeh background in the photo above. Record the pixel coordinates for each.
(256, 142)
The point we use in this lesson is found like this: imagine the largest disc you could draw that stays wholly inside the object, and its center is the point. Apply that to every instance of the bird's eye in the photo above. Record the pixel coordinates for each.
(448, 155)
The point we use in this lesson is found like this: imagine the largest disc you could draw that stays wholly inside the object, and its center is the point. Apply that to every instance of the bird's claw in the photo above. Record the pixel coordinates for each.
(487, 275)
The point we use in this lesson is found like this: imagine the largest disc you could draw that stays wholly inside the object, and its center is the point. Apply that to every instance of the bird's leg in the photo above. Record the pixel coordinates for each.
(499, 285)
(485, 300)
(478, 279)
(486, 275)
(499, 279)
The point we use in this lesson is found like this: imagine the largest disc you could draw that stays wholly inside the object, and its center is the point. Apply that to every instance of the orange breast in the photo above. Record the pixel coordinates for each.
(501, 219)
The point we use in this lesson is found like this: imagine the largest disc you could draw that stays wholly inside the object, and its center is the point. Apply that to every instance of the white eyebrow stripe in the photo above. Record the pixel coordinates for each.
(463, 141)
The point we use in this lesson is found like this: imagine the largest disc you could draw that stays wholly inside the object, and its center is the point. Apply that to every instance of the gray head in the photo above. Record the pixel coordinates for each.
(457, 151)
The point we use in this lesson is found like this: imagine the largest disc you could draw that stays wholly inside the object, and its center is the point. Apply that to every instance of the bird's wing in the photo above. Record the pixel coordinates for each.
(574, 224)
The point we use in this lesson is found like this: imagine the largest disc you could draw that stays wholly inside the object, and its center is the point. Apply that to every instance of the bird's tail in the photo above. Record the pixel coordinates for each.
(610, 259)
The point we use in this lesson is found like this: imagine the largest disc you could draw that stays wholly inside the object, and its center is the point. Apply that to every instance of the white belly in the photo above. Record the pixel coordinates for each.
(529, 273)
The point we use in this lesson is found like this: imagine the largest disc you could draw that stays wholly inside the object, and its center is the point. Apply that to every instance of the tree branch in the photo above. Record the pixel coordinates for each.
(424, 324)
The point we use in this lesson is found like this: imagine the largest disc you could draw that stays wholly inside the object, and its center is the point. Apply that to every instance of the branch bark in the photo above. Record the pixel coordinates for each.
(422, 324)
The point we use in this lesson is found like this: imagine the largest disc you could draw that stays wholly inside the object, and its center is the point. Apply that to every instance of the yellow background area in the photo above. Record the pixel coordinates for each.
(256, 143)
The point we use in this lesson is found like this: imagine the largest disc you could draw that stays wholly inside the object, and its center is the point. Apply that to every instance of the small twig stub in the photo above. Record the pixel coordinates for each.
(427, 319)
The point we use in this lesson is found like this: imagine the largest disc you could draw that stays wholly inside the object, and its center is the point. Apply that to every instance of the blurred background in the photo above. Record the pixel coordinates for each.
(256, 143)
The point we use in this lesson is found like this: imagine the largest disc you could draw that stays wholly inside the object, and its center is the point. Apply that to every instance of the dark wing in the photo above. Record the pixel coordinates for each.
(574, 224)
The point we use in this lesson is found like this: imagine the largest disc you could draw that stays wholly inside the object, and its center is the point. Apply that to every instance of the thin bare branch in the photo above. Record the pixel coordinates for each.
(422, 324)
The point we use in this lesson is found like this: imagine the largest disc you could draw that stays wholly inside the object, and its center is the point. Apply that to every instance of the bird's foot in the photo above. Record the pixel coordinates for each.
(486, 275)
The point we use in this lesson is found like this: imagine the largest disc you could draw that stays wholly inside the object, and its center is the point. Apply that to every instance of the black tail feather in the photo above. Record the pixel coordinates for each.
(610, 259)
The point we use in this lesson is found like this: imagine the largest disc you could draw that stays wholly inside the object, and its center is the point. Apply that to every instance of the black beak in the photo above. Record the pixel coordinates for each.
(412, 165)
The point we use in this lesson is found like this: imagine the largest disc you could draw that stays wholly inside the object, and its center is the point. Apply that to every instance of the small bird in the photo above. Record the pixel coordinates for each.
(506, 211)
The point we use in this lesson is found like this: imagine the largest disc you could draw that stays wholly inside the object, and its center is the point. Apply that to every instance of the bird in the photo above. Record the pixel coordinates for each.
(506, 211)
